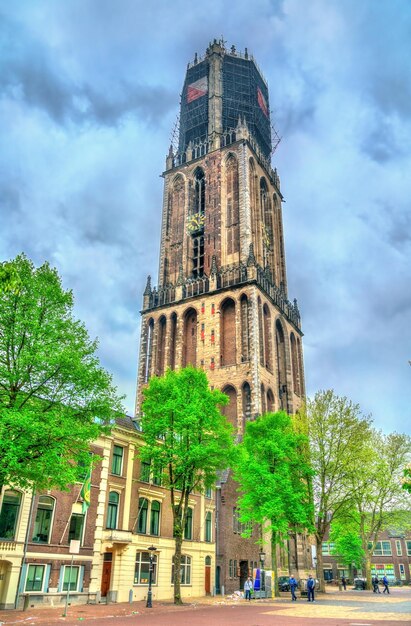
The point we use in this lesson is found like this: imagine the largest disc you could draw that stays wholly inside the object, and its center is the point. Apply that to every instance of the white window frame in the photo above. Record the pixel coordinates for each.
(79, 582)
(43, 580)
(398, 547)
(120, 473)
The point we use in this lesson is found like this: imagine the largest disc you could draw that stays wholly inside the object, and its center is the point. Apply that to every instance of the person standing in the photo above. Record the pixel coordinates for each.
(385, 583)
(293, 587)
(310, 588)
(248, 587)
(375, 584)
(344, 582)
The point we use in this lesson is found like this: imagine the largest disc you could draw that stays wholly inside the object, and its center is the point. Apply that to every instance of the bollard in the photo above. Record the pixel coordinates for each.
(130, 596)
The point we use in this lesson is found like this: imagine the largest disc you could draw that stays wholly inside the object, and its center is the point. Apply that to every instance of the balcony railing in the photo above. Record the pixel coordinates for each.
(226, 277)
(119, 536)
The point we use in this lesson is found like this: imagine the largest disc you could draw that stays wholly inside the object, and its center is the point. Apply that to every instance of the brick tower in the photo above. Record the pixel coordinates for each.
(221, 302)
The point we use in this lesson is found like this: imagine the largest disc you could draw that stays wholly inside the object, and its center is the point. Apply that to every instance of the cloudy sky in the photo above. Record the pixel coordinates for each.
(89, 93)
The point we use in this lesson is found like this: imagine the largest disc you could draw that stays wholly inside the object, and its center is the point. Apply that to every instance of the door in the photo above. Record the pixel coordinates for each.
(243, 573)
(106, 575)
(207, 577)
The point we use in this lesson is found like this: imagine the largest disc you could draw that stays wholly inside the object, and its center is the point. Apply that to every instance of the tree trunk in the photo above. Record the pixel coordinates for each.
(274, 562)
(320, 567)
(367, 564)
(177, 568)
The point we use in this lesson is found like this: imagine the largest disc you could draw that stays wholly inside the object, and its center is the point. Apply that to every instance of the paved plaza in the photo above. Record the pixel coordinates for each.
(330, 609)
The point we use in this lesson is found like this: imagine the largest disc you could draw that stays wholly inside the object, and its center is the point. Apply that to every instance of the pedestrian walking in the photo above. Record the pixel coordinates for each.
(375, 584)
(293, 587)
(248, 587)
(344, 582)
(310, 588)
(385, 583)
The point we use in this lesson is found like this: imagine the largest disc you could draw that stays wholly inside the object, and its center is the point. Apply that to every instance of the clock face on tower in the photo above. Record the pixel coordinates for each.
(195, 223)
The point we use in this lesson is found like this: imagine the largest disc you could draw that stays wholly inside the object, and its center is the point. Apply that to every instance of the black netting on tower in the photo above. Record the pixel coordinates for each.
(245, 94)
(194, 105)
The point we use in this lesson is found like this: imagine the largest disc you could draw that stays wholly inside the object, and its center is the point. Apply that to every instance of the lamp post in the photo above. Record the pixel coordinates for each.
(262, 559)
(151, 550)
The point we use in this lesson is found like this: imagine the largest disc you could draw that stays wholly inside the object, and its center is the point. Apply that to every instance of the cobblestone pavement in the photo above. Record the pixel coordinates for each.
(330, 609)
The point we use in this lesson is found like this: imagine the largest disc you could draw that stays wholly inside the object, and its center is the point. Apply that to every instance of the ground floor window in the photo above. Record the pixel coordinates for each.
(72, 578)
(328, 574)
(35, 578)
(384, 569)
(402, 571)
(142, 569)
(185, 571)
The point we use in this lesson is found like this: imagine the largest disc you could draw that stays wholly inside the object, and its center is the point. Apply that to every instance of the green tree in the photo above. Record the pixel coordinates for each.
(337, 434)
(55, 398)
(273, 478)
(376, 488)
(344, 533)
(9, 279)
(186, 436)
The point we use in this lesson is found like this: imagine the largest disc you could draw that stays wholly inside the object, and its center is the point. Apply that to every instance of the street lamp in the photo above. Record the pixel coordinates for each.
(151, 550)
(262, 559)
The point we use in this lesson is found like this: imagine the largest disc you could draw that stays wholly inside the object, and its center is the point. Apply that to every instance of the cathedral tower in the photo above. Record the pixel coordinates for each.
(221, 302)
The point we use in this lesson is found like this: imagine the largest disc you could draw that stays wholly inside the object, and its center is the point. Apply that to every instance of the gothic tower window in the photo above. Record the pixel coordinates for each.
(161, 345)
(230, 409)
(199, 192)
(173, 339)
(245, 334)
(246, 402)
(260, 331)
(300, 366)
(294, 363)
(267, 224)
(263, 403)
(198, 256)
(228, 338)
(255, 214)
(149, 350)
(267, 337)
(270, 401)
(281, 364)
(175, 228)
(190, 338)
(233, 213)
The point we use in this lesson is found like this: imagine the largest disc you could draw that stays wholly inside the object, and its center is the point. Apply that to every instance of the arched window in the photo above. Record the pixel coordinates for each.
(246, 401)
(161, 345)
(260, 331)
(188, 528)
(228, 333)
(233, 213)
(155, 518)
(208, 526)
(173, 338)
(149, 349)
(175, 229)
(9, 515)
(281, 365)
(266, 212)
(255, 213)
(267, 337)
(142, 515)
(300, 366)
(294, 363)
(112, 510)
(245, 329)
(42, 523)
(270, 401)
(263, 405)
(230, 409)
(190, 338)
(199, 192)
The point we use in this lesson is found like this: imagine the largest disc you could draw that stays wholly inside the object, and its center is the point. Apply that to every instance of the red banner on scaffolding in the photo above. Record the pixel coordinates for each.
(197, 89)
(262, 102)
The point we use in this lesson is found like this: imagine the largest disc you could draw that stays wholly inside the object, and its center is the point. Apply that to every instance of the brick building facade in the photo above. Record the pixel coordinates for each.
(221, 302)
(129, 512)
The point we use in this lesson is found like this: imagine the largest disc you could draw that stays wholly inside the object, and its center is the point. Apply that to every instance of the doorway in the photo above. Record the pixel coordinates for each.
(106, 575)
(243, 573)
(207, 576)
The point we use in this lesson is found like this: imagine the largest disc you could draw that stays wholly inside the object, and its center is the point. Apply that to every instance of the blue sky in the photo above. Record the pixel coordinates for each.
(89, 93)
